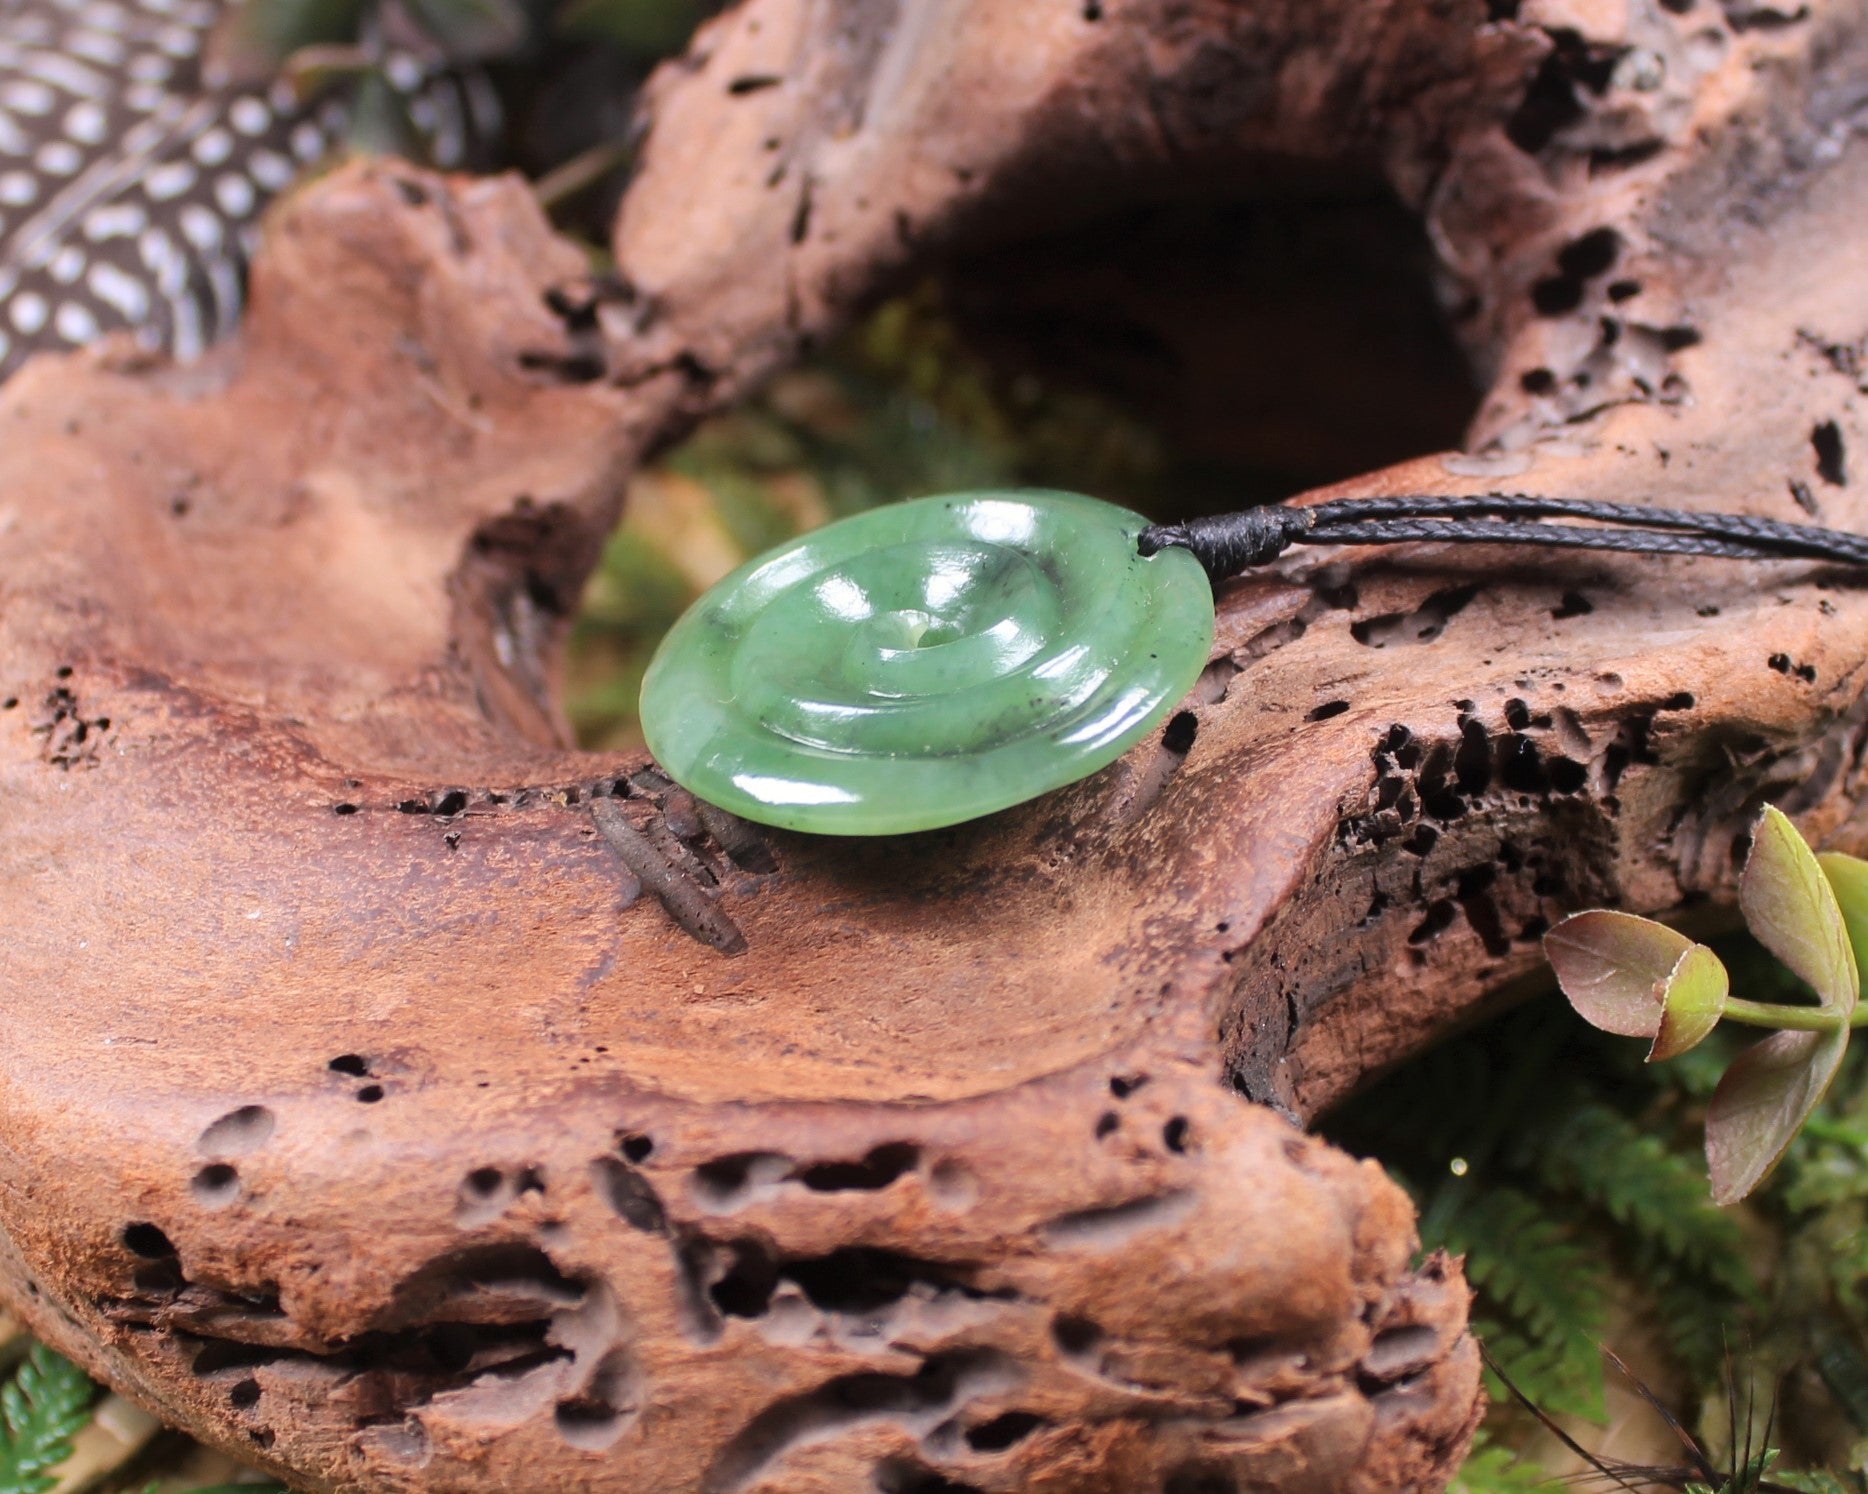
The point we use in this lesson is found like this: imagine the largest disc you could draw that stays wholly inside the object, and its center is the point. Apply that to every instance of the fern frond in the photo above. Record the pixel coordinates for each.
(1839, 1362)
(1825, 1176)
(43, 1406)
(1545, 1294)
(1687, 1254)
(1822, 1483)
(1699, 1329)
(1494, 1468)
(156, 1488)
(1657, 1196)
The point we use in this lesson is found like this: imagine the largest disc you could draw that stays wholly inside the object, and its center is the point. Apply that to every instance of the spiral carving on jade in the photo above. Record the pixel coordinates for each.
(927, 663)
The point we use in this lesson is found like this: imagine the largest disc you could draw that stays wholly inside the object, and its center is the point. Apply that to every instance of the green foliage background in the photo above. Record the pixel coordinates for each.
(1571, 1176)
(43, 1405)
(46, 1406)
(898, 409)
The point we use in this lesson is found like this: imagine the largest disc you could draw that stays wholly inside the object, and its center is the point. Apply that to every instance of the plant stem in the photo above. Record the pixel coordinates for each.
(1839, 1132)
(583, 170)
(1794, 1018)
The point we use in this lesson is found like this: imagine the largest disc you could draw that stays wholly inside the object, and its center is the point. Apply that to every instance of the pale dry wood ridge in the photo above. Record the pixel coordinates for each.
(372, 1106)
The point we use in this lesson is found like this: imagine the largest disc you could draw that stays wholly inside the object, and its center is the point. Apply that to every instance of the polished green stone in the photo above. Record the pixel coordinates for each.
(926, 663)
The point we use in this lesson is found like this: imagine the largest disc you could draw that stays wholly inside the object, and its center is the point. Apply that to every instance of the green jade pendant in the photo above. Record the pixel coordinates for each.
(927, 663)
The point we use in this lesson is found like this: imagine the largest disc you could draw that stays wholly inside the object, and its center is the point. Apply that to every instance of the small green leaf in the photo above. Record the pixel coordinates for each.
(1614, 967)
(379, 121)
(1791, 909)
(313, 71)
(1761, 1103)
(1848, 879)
(1692, 1003)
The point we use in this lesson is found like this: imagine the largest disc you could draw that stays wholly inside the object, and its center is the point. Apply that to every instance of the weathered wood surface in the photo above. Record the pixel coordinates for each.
(361, 1108)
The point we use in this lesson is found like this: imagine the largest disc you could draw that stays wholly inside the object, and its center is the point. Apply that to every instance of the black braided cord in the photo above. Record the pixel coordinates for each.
(1226, 544)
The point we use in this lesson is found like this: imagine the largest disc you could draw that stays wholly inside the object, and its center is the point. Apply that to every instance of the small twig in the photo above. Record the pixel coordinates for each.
(585, 169)
(744, 846)
(677, 890)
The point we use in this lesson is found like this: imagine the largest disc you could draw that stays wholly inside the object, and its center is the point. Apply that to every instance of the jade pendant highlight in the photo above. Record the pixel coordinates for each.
(926, 663)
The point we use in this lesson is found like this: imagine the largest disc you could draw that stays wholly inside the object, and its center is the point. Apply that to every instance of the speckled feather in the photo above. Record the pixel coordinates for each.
(130, 191)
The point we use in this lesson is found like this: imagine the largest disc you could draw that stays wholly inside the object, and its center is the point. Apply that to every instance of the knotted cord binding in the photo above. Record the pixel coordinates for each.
(1226, 544)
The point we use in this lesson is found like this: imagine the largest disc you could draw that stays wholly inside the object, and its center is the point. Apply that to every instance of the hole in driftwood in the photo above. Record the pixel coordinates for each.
(912, 1478)
(882, 1166)
(1004, 1430)
(1178, 735)
(631, 1197)
(1831, 464)
(238, 1132)
(595, 1417)
(148, 1241)
(724, 1183)
(216, 1185)
(1439, 918)
(1106, 1228)
(1424, 624)
(944, 1382)
(1076, 1337)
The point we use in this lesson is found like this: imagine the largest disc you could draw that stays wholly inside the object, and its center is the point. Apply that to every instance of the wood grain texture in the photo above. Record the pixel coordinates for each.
(363, 1109)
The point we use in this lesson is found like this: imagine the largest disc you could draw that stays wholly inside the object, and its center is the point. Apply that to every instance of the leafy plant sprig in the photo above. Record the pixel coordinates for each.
(43, 1406)
(1630, 975)
(1745, 1469)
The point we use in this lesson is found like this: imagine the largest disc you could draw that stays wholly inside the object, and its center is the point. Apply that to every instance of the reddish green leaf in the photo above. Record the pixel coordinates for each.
(1614, 967)
(1692, 1003)
(1762, 1101)
(1791, 909)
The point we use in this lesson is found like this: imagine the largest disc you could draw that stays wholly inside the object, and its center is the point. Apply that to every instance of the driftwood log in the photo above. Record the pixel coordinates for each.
(398, 1096)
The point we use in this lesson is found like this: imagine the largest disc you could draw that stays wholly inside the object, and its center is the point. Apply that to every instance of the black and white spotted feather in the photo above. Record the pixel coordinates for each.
(130, 193)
